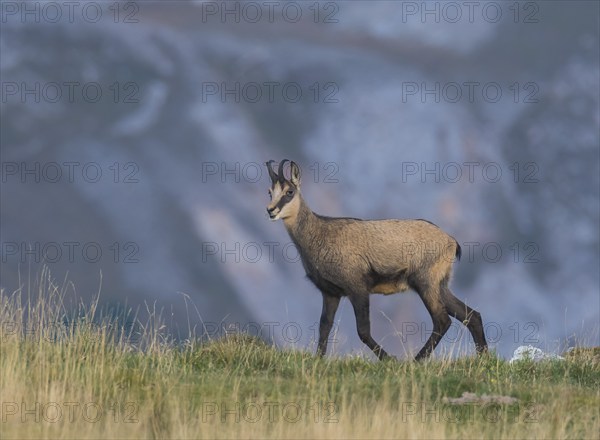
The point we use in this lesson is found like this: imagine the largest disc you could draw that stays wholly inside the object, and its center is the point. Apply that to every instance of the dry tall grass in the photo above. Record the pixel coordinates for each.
(67, 372)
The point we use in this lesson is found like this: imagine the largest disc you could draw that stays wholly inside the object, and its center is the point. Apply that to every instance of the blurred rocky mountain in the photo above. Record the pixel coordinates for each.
(399, 116)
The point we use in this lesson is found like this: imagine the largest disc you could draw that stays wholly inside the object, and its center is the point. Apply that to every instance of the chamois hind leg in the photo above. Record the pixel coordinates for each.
(441, 321)
(330, 306)
(469, 317)
(360, 303)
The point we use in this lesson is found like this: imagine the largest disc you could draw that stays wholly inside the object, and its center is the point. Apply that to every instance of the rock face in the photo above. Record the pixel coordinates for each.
(163, 173)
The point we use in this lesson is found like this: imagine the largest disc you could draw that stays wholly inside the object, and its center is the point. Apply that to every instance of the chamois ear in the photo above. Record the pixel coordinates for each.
(272, 174)
(295, 174)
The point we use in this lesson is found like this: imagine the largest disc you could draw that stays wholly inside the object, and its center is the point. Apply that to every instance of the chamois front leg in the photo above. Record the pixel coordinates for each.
(330, 306)
(360, 303)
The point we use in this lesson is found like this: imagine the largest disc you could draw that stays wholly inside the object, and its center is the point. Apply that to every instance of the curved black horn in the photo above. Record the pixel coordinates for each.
(280, 172)
(272, 174)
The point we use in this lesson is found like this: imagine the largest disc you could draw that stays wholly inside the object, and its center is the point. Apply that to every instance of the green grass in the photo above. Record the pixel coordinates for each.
(88, 381)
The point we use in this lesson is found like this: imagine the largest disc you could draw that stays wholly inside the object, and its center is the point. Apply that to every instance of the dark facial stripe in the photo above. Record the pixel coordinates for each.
(284, 200)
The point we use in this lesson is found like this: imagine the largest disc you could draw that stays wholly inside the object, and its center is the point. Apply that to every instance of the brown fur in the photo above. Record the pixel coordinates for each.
(352, 257)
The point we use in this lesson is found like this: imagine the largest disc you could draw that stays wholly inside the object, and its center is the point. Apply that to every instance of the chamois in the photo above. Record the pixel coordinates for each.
(354, 258)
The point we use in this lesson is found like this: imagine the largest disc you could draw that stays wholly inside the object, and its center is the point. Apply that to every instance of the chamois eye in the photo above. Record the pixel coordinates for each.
(290, 192)
(269, 194)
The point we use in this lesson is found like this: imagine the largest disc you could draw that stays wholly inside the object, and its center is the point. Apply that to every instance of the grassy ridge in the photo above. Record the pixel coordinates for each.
(88, 381)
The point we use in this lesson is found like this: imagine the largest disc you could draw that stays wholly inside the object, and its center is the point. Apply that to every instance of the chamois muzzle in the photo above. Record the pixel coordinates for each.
(272, 213)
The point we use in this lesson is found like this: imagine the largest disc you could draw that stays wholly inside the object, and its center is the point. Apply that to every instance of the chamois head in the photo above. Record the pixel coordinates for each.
(284, 193)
